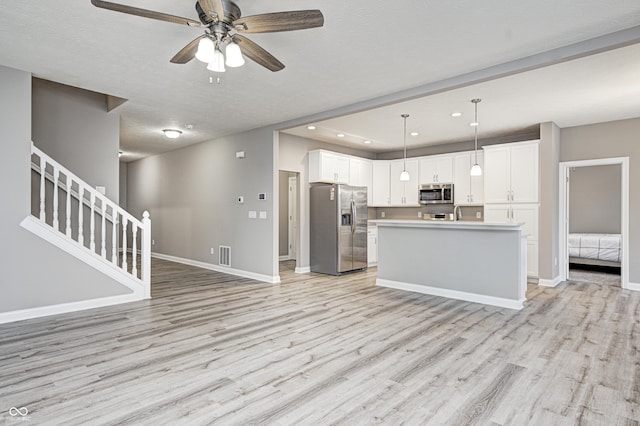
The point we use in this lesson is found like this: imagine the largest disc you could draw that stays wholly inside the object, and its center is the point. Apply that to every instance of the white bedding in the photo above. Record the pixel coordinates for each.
(595, 246)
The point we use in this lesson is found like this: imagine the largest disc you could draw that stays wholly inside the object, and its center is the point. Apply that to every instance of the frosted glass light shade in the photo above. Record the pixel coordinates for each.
(172, 133)
(205, 50)
(404, 176)
(476, 170)
(217, 62)
(234, 55)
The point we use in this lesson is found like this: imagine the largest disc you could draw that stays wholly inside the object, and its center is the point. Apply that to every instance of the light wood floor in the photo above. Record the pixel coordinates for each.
(317, 350)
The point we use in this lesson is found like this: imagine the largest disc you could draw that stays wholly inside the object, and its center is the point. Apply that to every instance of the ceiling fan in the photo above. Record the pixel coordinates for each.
(223, 23)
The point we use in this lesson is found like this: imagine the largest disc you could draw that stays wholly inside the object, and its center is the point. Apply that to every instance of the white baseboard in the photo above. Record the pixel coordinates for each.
(224, 269)
(549, 283)
(63, 308)
(283, 258)
(453, 294)
(303, 270)
(633, 286)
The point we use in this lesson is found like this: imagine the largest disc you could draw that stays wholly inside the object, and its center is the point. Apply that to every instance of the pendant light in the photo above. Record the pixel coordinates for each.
(404, 176)
(476, 170)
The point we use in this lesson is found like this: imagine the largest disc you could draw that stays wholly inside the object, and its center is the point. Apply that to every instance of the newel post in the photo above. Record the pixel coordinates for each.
(146, 254)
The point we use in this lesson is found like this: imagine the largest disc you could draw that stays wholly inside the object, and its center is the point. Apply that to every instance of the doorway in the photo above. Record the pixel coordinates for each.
(592, 220)
(288, 219)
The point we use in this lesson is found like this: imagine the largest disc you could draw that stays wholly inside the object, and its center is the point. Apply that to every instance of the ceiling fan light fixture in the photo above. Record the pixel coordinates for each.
(234, 55)
(172, 133)
(206, 49)
(217, 62)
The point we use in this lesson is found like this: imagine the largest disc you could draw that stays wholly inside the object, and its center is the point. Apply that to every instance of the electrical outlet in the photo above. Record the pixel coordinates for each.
(419, 215)
(153, 242)
(381, 214)
(478, 215)
(211, 250)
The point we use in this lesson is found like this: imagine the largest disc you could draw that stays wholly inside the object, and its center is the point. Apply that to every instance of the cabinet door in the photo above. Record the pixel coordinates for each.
(340, 168)
(444, 169)
(497, 213)
(397, 186)
(411, 186)
(527, 214)
(496, 174)
(524, 173)
(427, 169)
(372, 245)
(381, 189)
(360, 174)
(476, 192)
(461, 179)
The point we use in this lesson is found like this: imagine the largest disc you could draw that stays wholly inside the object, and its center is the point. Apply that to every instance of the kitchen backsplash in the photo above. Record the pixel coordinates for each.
(469, 213)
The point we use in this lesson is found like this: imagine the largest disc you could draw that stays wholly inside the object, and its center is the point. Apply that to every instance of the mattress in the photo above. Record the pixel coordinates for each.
(595, 246)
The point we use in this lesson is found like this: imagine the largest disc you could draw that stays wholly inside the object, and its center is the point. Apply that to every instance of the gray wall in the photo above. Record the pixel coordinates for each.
(191, 194)
(549, 175)
(594, 199)
(293, 157)
(122, 187)
(606, 140)
(34, 273)
(73, 127)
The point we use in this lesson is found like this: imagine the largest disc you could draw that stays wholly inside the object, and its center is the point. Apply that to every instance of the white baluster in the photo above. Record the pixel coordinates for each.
(146, 254)
(124, 243)
(92, 222)
(114, 236)
(69, 185)
(80, 214)
(43, 171)
(134, 251)
(56, 179)
(103, 230)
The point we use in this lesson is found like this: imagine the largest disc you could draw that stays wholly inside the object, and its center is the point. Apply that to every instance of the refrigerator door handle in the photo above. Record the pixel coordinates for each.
(353, 216)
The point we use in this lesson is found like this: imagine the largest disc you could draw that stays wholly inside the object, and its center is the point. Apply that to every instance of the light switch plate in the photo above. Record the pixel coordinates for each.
(263, 215)
(252, 214)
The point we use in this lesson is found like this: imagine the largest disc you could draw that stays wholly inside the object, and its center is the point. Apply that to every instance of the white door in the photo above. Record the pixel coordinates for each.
(411, 186)
(461, 179)
(381, 183)
(524, 173)
(293, 219)
(476, 192)
(444, 169)
(395, 184)
(497, 185)
(428, 170)
(497, 213)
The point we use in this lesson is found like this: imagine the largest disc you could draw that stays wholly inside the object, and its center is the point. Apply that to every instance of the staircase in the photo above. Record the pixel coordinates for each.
(79, 219)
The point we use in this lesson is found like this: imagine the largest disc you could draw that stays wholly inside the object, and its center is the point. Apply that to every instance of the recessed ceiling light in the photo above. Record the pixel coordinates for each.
(414, 133)
(474, 124)
(367, 142)
(172, 133)
(456, 114)
(311, 127)
(340, 135)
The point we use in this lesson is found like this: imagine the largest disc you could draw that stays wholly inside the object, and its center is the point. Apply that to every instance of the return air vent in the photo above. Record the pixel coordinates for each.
(224, 254)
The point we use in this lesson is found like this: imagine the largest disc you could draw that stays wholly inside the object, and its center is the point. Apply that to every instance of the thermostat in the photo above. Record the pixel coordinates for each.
(262, 196)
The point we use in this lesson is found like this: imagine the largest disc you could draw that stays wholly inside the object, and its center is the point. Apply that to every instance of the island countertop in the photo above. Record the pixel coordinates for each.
(442, 224)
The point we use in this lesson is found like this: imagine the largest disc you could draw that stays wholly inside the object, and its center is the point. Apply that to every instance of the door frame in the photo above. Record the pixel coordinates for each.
(563, 220)
(292, 207)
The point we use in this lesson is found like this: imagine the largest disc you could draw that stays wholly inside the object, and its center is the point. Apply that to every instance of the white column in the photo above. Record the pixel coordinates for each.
(146, 254)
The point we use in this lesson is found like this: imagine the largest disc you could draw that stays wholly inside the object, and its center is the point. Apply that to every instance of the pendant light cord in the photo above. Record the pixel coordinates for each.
(404, 164)
(475, 103)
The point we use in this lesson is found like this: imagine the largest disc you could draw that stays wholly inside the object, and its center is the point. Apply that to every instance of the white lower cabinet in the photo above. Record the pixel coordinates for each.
(526, 213)
(372, 244)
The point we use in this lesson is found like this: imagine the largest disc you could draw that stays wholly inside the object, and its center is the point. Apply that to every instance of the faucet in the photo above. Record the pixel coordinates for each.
(457, 213)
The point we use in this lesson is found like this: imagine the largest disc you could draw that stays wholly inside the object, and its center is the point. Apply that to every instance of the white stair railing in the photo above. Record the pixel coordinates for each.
(117, 229)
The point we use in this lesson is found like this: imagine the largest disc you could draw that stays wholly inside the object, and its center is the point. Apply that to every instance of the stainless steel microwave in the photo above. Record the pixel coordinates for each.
(437, 193)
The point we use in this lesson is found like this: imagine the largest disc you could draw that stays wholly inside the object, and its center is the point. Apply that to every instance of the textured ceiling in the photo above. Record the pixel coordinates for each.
(367, 48)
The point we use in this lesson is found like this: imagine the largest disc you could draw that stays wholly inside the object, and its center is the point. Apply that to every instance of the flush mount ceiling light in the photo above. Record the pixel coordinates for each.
(367, 142)
(172, 133)
(340, 135)
(404, 176)
(456, 114)
(415, 133)
(476, 170)
(311, 127)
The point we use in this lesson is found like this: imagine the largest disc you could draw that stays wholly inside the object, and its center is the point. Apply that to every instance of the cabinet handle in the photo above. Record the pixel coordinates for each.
(468, 199)
(471, 198)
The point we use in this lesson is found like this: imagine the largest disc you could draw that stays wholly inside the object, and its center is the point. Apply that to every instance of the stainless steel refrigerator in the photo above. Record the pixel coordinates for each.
(338, 240)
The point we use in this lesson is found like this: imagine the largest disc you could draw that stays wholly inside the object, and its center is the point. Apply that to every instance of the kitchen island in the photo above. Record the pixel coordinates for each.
(473, 261)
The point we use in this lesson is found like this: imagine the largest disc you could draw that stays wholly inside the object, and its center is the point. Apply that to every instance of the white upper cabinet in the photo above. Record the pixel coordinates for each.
(436, 169)
(328, 167)
(381, 184)
(511, 173)
(361, 174)
(467, 189)
(404, 193)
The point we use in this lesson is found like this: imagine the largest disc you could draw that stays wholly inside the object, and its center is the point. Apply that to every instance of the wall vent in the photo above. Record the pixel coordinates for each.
(224, 254)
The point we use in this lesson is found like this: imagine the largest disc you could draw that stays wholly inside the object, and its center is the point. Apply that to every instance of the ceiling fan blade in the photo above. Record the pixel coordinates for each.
(257, 54)
(280, 21)
(187, 53)
(214, 6)
(144, 13)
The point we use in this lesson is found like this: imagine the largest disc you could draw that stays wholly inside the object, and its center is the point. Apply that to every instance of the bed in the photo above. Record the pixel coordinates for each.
(595, 249)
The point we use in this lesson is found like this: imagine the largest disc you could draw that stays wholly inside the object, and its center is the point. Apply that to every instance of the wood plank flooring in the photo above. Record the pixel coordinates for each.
(212, 349)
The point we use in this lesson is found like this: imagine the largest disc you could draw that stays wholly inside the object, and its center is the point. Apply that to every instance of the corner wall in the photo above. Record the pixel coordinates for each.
(549, 175)
(35, 274)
